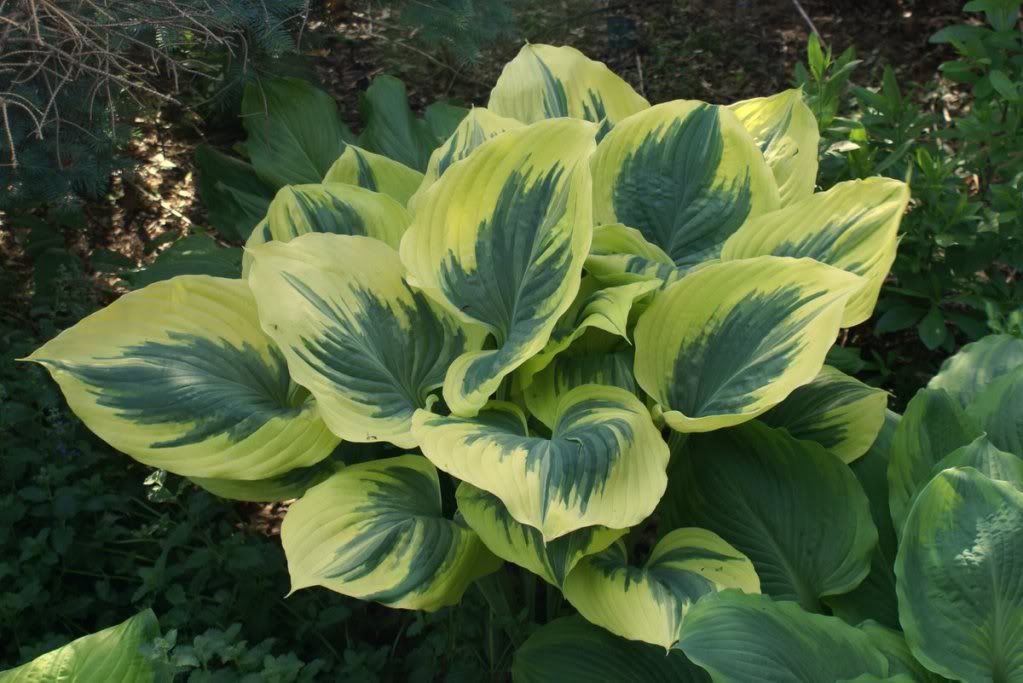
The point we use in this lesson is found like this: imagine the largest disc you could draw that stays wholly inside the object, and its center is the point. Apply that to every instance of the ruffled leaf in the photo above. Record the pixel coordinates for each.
(375, 531)
(180, 376)
(650, 603)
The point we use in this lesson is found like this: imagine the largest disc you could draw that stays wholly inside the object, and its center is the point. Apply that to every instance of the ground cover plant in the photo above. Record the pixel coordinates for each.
(528, 353)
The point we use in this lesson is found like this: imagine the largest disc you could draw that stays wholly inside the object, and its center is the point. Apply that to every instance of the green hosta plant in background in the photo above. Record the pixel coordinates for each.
(585, 336)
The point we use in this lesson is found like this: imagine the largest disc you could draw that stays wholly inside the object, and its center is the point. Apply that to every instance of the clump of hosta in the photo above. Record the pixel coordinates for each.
(577, 277)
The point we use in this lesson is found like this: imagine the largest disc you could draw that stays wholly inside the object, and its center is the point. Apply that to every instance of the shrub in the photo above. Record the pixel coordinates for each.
(638, 412)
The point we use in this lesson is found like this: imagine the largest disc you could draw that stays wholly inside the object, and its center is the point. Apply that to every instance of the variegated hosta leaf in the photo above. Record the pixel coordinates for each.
(594, 307)
(500, 239)
(364, 343)
(374, 172)
(180, 376)
(837, 411)
(375, 531)
(572, 649)
(337, 209)
(287, 486)
(478, 126)
(685, 174)
(786, 131)
(571, 370)
(853, 226)
(603, 465)
(976, 365)
(932, 427)
(998, 410)
(960, 582)
(790, 506)
(740, 638)
(731, 340)
(112, 655)
(649, 603)
(523, 545)
(545, 82)
(620, 255)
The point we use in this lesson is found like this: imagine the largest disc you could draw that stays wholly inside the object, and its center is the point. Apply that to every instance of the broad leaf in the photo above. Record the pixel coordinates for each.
(192, 255)
(740, 638)
(478, 126)
(376, 531)
(620, 255)
(112, 655)
(294, 130)
(892, 644)
(594, 308)
(650, 603)
(984, 457)
(335, 209)
(959, 579)
(374, 172)
(932, 427)
(235, 198)
(853, 226)
(790, 506)
(786, 131)
(524, 545)
(998, 410)
(500, 240)
(731, 340)
(969, 371)
(875, 598)
(545, 82)
(391, 129)
(369, 347)
(571, 370)
(287, 486)
(180, 376)
(837, 411)
(603, 465)
(685, 174)
(572, 649)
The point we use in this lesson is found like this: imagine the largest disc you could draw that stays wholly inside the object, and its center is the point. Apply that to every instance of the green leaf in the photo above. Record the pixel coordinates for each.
(524, 545)
(853, 226)
(180, 376)
(965, 374)
(984, 457)
(391, 129)
(375, 531)
(932, 328)
(892, 644)
(572, 649)
(898, 317)
(958, 569)
(933, 426)
(234, 196)
(1003, 85)
(997, 409)
(875, 598)
(740, 638)
(500, 240)
(294, 131)
(603, 465)
(650, 603)
(112, 654)
(571, 370)
(192, 255)
(731, 340)
(287, 486)
(374, 172)
(790, 506)
(786, 131)
(366, 345)
(640, 166)
(835, 410)
(545, 82)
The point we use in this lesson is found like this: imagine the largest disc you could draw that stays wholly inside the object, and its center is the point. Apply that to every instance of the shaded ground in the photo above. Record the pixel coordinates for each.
(715, 50)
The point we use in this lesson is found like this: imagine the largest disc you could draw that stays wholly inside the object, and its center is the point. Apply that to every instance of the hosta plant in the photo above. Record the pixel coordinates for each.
(588, 339)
